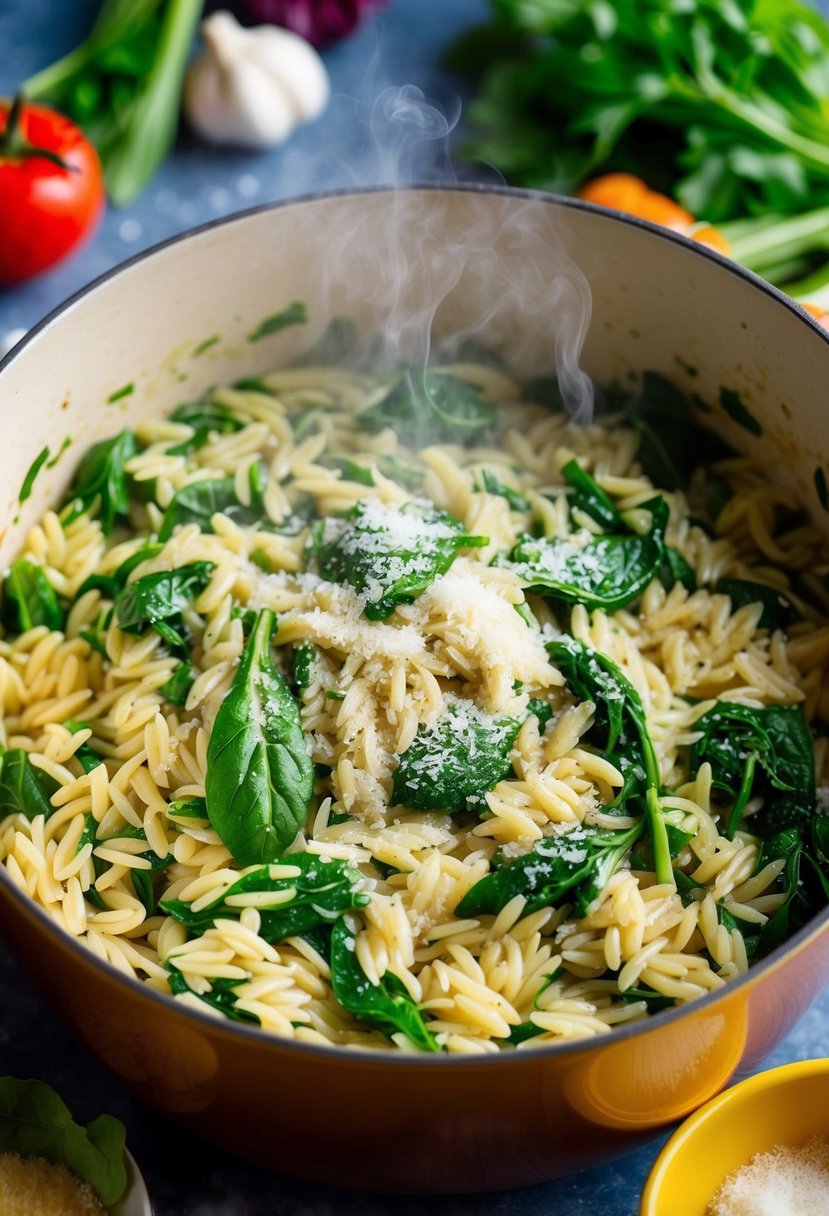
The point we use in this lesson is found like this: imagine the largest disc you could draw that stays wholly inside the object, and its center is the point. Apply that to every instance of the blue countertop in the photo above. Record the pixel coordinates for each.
(401, 49)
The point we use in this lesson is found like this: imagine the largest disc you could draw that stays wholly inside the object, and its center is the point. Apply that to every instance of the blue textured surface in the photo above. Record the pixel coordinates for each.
(404, 47)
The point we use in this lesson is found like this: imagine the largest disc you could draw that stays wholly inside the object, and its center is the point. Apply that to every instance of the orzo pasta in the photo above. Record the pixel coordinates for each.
(473, 731)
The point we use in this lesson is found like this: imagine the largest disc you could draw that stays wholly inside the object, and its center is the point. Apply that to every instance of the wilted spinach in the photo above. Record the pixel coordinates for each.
(622, 727)
(175, 689)
(24, 788)
(86, 757)
(221, 995)
(426, 407)
(386, 1005)
(157, 602)
(389, 556)
(206, 418)
(199, 501)
(580, 861)
(606, 572)
(29, 599)
(260, 777)
(492, 484)
(302, 665)
(737, 739)
(110, 584)
(101, 478)
(589, 497)
(671, 443)
(777, 608)
(323, 889)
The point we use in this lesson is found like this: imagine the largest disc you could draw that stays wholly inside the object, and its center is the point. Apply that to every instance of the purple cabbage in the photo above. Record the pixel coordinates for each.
(318, 21)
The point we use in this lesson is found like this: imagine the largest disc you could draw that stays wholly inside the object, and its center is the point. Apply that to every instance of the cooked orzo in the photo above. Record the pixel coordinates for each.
(395, 711)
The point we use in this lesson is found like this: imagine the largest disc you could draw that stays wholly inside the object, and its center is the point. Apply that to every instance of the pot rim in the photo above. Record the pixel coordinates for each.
(370, 1056)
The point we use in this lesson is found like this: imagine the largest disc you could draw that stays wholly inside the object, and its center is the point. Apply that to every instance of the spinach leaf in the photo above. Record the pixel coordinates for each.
(35, 1122)
(175, 689)
(110, 584)
(795, 909)
(260, 777)
(352, 471)
(101, 479)
(24, 788)
(188, 808)
(295, 314)
(426, 407)
(580, 860)
(157, 601)
(317, 895)
(303, 660)
(735, 739)
(621, 725)
(199, 501)
(398, 470)
(750, 931)
(675, 570)
(455, 760)
(221, 995)
(206, 418)
(29, 599)
(86, 757)
(653, 999)
(604, 572)
(671, 443)
(589, 497)
(389, 555)
(777, 608)
(492, 484)
(386, 1005)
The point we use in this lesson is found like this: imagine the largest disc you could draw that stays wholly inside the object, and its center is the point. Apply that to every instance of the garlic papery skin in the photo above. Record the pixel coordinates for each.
(252, 87)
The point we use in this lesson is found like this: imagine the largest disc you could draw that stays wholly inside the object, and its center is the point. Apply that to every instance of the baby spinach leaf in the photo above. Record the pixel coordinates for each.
(323, 889)
(457, 758)
(110, 584)
(24, 788)
(386, 1005)
(589, 497)
(736, 739)
(188, 808)
(492, 484)
(35, 1122)
(260, 777)
(621, 725)
(303, 660)
(605, 572)
(777, 608)
(157, 601)
(101, 478)
(389, 555)
(352, 471)
(675, 570)
(671, 443)
(426, 407)
(206, 418)
(221, 995)
(580, 860)
(175, 689)
(29, 599)
(199, 501)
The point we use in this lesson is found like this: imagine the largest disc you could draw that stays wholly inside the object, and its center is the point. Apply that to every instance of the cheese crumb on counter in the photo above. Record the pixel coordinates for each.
(31, 1186)
(786, 1181)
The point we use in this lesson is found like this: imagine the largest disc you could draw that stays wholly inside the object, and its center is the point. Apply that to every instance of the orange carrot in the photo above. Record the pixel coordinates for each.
(629, 193)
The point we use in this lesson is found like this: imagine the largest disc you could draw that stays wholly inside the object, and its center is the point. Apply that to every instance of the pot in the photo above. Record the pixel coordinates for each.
(519, 272)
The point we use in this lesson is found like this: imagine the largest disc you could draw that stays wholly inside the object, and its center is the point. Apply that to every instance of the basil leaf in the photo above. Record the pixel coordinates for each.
(260, 777)
(221, 995)
(199, 501)
(157, 601)
(323, 889)
(389, 555)
(580, 860)
(621, 725)
(35, 1122)
(101, 479)
(777, 608)
(29, 599)
(386, 1005)
(604, 572)
(426, 407)
(24, 788)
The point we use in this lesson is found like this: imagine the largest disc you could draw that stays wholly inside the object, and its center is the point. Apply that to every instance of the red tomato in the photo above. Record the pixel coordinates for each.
(47, 207)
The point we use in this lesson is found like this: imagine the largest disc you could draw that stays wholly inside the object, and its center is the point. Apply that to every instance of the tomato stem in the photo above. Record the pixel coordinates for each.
(14, 145)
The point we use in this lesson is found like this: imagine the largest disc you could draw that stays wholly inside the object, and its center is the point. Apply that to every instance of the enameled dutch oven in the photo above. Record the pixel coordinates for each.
(517, 272)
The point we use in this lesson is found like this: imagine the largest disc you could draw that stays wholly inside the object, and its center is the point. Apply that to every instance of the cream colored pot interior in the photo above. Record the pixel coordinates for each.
(529, 276)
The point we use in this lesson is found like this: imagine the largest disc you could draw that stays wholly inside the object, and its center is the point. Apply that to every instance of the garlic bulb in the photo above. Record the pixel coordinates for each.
(252, 87)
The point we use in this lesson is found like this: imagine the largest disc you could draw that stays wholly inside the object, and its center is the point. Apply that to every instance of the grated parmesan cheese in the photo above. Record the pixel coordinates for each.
(31, 1186)
(786, 1181)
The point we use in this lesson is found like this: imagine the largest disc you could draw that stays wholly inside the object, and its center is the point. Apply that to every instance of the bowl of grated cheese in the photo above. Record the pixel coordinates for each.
(759, 1149)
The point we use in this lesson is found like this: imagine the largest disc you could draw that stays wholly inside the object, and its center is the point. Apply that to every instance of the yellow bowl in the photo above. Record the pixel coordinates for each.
(785, 1106)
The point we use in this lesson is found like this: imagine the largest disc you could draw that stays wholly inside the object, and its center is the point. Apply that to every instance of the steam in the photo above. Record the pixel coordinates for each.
(451, 266)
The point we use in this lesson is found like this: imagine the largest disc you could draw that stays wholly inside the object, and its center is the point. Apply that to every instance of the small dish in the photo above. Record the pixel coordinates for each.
(135, 1201)
(785, 1106)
